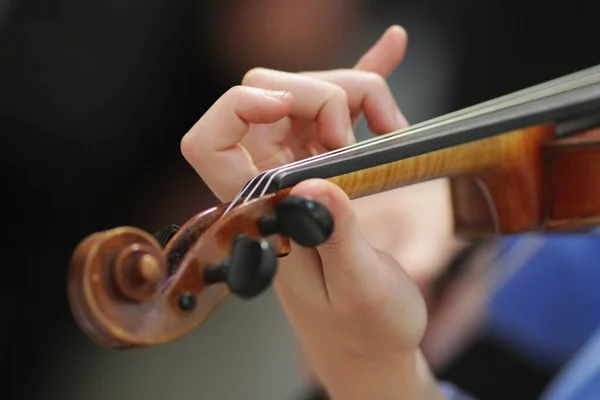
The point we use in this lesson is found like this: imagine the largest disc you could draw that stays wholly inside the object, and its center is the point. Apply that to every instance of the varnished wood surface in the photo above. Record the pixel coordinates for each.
(572, 171)
(496, 182)
(116, 282)
(516, 182)
(508, 198)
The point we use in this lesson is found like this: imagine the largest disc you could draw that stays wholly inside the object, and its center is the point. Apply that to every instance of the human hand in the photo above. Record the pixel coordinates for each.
(413, 224)
(356, 312)
(275, 118)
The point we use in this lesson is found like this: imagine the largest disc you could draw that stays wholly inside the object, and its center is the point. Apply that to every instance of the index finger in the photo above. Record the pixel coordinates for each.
(212, 145)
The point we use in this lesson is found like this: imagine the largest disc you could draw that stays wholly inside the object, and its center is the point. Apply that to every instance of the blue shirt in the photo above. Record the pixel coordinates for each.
(549, 309)
(580, 380)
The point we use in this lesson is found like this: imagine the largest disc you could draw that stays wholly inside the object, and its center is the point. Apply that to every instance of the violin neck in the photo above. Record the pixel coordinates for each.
(467, 141)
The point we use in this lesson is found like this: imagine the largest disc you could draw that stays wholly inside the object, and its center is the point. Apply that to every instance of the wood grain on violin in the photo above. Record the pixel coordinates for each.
(572, 173)
(510, 167)
(496, 183)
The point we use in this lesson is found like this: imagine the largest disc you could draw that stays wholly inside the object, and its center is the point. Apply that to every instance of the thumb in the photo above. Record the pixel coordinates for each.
(352, 270)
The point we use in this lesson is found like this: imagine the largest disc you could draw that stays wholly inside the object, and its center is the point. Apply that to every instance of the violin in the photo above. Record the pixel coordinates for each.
(527, 161)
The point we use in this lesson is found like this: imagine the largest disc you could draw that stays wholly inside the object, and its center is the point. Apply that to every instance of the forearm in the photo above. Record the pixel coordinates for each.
(408, 379)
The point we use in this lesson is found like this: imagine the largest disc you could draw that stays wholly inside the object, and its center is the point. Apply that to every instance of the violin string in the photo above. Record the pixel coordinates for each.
(518, 97)
(450, 116)
(539, 95)
(240, 194)
(509, 101)
(422, 130)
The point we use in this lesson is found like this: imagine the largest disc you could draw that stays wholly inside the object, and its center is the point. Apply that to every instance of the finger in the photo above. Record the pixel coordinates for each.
(212, 144)
(385, 55)
(273, 145)
(367, 92)
(366, 87)
(382, 59)
(314, 100)
(356, 276)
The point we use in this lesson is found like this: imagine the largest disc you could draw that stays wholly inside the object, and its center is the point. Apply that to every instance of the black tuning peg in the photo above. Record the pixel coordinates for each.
(305, 221)
(249, 270)
(165, 234)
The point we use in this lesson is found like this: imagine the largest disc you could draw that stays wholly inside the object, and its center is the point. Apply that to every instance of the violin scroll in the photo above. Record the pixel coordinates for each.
(125, 265)
(126, 291)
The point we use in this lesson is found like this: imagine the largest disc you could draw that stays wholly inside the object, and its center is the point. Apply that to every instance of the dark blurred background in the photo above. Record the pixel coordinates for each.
(94, 99)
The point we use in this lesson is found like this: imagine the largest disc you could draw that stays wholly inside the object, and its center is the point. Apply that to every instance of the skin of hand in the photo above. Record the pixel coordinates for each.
(357, 314)
(418, 232)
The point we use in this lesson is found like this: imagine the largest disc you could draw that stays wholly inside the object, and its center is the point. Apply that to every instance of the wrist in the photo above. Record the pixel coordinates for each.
(407, 377)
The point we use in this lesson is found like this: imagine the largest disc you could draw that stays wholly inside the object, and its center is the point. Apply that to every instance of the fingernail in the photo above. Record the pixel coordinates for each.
(350, 139)
(276, 94)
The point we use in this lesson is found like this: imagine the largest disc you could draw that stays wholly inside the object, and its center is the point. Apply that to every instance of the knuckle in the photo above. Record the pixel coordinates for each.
(235, 92)
(375, 80)
(235, 96)
(338, 94)
(187, 147)
(253, 75)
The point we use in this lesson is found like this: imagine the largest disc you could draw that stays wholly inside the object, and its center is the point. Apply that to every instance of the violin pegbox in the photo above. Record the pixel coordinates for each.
(257, 239)
(303, 220)
(126, 290)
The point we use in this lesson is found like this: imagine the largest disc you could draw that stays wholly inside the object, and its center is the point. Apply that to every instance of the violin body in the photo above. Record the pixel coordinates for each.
(538, 184)
(126, 290)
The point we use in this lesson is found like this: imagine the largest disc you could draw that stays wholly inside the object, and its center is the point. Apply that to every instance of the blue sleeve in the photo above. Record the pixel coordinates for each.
(548, 308)
(453, 393)
(580, 379)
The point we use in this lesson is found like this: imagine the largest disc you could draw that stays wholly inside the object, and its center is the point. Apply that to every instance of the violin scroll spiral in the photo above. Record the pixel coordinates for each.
(123, 263)
(126, 290)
